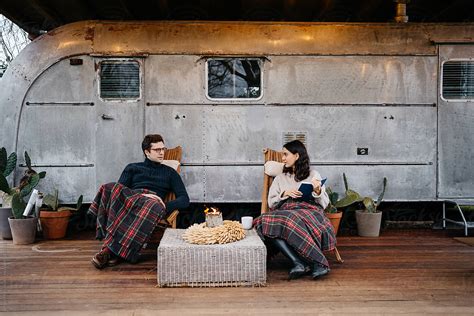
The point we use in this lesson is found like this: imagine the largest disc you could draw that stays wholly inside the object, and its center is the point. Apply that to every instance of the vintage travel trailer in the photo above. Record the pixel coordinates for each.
(370, 100)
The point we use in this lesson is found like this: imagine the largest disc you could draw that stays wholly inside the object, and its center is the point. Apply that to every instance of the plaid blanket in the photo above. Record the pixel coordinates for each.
(125, 218)
(303, 226)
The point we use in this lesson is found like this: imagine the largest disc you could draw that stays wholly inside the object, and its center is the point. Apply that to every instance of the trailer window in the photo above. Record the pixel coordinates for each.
(458, 80)
(119, 80)
(231, 78)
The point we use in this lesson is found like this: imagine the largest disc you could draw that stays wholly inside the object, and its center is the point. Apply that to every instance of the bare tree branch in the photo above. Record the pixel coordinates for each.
(12, 40)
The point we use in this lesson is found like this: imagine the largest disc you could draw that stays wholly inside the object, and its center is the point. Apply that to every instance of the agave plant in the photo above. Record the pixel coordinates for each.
(14, 196)
(371, 205)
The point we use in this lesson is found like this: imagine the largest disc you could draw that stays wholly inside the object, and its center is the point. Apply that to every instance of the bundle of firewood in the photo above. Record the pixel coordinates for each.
(229, 232)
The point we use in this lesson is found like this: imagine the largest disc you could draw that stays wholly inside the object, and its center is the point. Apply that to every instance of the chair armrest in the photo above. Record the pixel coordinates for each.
(172, 218)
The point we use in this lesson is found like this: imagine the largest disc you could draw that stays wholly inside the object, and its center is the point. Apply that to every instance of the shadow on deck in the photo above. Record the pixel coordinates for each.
(403, 271)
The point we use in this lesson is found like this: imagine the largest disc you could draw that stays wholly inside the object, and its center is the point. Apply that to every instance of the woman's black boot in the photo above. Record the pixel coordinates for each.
(299, 267)
(319, 271)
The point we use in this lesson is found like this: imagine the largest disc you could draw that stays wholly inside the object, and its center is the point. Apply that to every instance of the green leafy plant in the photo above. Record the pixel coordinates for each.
(350, 197)
(52, 202)
(370, 205)
(14, 196)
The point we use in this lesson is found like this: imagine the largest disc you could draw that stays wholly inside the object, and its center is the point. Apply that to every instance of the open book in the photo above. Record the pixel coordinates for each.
(307, 189)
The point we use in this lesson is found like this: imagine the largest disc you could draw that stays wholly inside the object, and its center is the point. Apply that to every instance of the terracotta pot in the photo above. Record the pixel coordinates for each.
(368, 224)
(23, 230)
(5, 231)
(335, 219)
(54, 224)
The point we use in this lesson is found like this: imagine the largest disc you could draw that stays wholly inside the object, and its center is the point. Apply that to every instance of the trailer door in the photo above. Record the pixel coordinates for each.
(57, 126)
(456, 122)
(119, 100)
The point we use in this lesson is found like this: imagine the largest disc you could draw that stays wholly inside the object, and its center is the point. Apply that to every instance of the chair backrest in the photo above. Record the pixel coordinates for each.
(173, 154)
(269, 155)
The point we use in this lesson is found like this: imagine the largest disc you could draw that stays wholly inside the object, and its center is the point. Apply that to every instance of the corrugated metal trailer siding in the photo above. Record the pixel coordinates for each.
(456, 134)
(344, 86)
(340, 102)
(58, 127)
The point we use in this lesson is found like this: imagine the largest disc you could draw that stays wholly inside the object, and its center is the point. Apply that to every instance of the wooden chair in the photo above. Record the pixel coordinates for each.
(169, 222)
(272, 155)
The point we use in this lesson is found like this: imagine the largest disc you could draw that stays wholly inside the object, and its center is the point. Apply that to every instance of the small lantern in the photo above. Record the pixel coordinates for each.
(213, 217)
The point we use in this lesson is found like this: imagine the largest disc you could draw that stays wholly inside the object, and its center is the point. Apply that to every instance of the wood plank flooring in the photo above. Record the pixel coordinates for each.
(402, 272)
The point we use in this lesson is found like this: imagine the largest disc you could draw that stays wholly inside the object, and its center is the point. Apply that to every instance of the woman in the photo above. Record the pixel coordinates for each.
(298, 228)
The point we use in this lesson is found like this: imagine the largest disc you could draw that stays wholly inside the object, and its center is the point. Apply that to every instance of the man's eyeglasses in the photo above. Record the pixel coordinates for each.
(159, 150)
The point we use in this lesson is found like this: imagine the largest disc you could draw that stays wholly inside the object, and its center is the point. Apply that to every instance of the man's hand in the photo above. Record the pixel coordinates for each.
(156, 197)
(293, 193)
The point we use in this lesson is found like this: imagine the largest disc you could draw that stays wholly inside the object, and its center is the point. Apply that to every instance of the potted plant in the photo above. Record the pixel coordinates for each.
(54, 219)
(369, 219)
(23, 228)
(7, 165)
(332, 211)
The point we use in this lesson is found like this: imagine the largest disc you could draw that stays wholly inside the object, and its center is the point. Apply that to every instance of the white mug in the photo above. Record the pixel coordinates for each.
(247, 222)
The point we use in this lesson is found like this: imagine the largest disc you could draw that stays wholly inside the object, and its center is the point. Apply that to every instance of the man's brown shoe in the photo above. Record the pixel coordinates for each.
(101, 259)
(114, 260)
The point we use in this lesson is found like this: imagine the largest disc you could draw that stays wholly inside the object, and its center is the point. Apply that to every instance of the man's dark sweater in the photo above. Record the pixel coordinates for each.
(158, 178)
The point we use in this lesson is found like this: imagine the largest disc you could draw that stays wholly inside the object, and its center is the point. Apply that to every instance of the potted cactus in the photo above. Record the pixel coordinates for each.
(369, 219)
(7, 165)
(54, 219)
(23, 228)
(332, 210)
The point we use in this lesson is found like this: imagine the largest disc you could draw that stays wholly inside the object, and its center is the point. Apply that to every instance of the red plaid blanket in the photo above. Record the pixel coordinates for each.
(303, 226)
(125, 218)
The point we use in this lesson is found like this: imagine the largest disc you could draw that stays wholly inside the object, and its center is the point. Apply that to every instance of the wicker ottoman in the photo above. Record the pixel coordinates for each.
(242, 263)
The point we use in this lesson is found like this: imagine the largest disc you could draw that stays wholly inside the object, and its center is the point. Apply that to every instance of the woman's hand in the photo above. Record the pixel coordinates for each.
(316, 186)
(292, 193)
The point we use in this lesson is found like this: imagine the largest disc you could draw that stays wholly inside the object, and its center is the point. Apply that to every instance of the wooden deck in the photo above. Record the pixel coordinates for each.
(403, 271)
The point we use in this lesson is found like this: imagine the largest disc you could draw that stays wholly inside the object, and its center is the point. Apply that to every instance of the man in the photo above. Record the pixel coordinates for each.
(128, 211)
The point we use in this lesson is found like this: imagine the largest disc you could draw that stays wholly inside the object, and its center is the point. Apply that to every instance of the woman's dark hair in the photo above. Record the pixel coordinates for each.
(149, 139)
(302, 164)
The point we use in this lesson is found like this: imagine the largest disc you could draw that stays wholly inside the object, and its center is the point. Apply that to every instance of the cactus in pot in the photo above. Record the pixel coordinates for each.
(350, 197)
(22, 228)
(14, 196)
(368, 219)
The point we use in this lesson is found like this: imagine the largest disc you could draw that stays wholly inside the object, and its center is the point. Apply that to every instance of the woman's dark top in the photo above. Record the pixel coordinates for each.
(158, 178)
